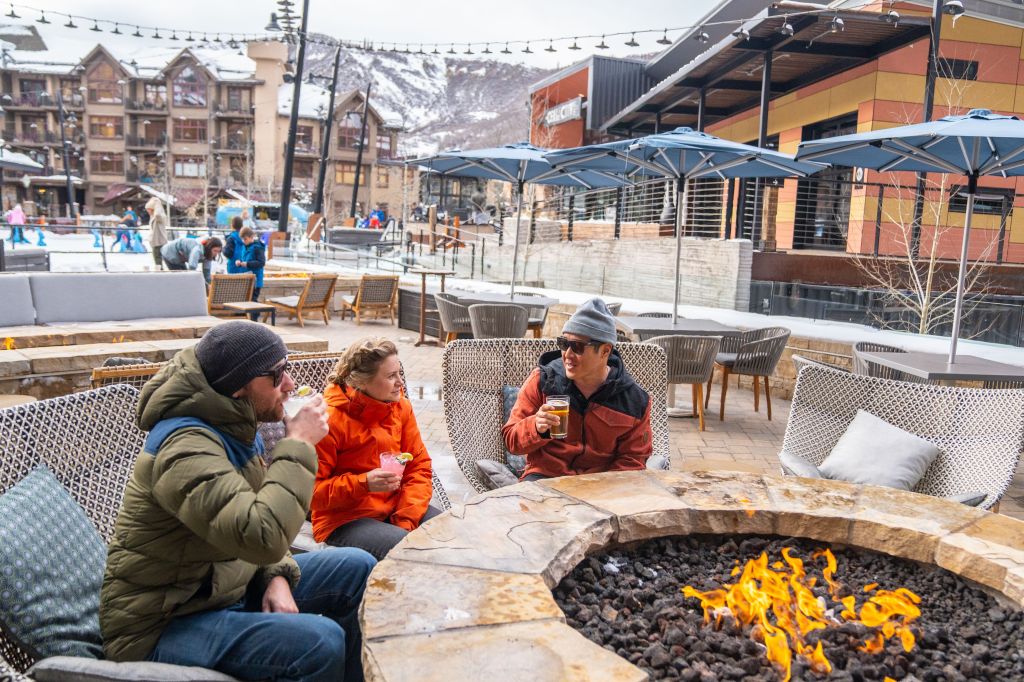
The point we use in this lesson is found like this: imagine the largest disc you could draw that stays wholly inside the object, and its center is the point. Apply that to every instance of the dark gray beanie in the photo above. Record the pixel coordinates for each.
(593, 320)
(234, 353)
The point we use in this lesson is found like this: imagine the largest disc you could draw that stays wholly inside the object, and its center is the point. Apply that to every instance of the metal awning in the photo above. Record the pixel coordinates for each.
(726, 79)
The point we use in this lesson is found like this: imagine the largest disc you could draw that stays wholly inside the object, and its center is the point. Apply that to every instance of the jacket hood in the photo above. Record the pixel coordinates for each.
(359, 405)
(552, 371)
(180, 390)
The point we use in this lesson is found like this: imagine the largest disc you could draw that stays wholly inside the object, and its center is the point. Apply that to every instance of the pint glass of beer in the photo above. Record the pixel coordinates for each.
(560, 408)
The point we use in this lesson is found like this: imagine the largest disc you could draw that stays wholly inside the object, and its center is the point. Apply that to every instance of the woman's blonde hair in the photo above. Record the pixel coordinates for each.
(361, 360)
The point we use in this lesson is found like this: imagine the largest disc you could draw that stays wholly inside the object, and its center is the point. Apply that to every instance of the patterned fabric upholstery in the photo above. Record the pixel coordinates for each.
(498, 320)
(979, 432)
(475, 373)
(225, 288)
(376, 298)
(872, 369)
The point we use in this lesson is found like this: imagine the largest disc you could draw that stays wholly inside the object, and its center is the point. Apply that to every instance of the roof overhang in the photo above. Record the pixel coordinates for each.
(730, 72)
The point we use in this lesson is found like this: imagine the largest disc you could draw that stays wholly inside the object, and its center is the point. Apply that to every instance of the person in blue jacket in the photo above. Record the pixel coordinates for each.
(251, 258)
(233, 246)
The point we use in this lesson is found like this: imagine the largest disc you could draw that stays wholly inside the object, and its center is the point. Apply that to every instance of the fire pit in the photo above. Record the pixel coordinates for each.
(468, 596)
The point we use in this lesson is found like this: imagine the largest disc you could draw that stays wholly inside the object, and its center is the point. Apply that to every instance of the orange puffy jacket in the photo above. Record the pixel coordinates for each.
(360, 429)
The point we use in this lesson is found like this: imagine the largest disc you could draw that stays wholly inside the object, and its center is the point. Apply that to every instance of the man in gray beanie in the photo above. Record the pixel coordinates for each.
(198, 570)
(609, 416)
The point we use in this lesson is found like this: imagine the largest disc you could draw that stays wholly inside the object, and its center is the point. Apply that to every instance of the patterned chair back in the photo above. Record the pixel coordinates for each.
(691, 359)
(319, 289)
(498, 320)
(226, 288)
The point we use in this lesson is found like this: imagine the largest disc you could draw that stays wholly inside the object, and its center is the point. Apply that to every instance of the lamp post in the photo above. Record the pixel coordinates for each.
(64, 147)
(325, 147)
(293, 123)
(359, 154)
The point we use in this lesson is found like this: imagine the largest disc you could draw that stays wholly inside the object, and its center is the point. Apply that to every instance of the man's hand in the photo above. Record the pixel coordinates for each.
(380, 481)
(310, 423)
(240, 263)
(544, 419)
(278, 597)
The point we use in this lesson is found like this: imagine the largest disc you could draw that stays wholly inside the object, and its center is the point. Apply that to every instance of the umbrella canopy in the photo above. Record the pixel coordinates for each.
(681, 154)
(976, 144)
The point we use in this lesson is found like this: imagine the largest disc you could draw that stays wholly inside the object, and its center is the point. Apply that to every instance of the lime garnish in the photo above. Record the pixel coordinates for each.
(303, 391)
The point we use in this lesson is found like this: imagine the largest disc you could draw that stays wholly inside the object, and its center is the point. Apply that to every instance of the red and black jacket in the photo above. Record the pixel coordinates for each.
(610, 431)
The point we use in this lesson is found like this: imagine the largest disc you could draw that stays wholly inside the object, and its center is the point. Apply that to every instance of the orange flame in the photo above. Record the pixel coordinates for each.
(782, 609)
(9, 343)
(118, 339)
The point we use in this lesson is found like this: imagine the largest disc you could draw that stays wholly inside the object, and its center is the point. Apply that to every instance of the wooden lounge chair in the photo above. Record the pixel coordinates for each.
(315, 298)
(376, 298)
(229, 289)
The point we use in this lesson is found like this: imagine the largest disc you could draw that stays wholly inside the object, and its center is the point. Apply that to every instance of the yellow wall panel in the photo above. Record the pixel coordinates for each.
(847, 97)
(799, 113)
(975, 95)
(899, 87)
(1016, 227)
(971, 30)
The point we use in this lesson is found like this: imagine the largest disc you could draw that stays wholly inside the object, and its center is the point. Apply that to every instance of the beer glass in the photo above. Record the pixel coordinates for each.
(560, 408)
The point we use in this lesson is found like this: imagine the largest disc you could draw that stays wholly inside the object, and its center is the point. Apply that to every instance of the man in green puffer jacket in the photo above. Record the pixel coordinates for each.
(198, 571)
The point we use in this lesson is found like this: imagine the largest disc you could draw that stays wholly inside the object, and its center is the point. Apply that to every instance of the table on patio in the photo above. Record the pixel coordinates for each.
(934, 367)
(424, 273)
(470, 297)
(663, 325)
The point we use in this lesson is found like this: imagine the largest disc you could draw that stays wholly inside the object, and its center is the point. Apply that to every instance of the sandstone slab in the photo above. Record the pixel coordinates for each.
(729, 502)
(812, 508)
(989, 551)
(13, 363)
(34, 336)
(59, 359)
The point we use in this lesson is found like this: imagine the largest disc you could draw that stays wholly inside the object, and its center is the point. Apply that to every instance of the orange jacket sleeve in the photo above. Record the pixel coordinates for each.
(334, 491)
(520, 431)
(634, 447)
(417, 480)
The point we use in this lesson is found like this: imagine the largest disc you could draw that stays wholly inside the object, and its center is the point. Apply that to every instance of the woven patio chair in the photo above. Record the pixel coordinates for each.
(691, 360)
(226, 288)
(1003, 384)
(476, 374)
(538, 315)
(614, 308)
(661, 316)
(376, 298)
(498, 320)
(316, 297)
(756, 354)
(979, 432)
(454, 317)
(799, 362)
(134, 375)
(872, 369)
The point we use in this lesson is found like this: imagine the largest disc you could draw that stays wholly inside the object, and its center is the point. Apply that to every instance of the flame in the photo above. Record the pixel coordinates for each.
(781, 609)
(118, 339)
(9, 343)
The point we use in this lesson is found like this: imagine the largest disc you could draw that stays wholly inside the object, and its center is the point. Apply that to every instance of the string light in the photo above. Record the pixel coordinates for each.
(550, 47)
(663, 40)
(632, 41)
(71, 23)
(601, 45)
(574, 46)
(12, 14)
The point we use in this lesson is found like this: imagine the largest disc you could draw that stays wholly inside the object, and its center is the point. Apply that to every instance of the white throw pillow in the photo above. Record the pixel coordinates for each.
(874, 452)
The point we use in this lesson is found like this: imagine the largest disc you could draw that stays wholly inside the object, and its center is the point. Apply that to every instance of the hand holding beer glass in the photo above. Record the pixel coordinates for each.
(553, 416)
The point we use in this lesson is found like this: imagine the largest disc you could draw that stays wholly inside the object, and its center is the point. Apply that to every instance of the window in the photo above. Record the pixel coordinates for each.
(383, 145)
(348, 130)
(957, 69)
(33, 128)
(303, 168)
(106, 163)
(190, 130)
(31, 85)
(345, 174)
(154, 95)
(189, 167)
(189, 88)
(237, 136)
(237, 101)
(104, 87)
(111, 127)
(988, 200)
(304, 138)
(382, 177)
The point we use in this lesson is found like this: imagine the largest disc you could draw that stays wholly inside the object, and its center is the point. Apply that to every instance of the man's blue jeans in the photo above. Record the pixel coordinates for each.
(322, 642)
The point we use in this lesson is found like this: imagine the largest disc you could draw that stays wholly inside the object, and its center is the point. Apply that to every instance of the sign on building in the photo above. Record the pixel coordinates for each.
(566, 111)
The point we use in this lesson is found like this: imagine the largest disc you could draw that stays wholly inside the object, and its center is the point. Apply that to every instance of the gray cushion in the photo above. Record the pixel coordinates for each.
(304, 541)
(795, 465)
(874, 452)
(71, 669)
(102, 296)
(16, 294)
(657, 462)
(51, 569)
(727, 359)
(286, 300)
(509, 395)
(495, 474)
(970, 499)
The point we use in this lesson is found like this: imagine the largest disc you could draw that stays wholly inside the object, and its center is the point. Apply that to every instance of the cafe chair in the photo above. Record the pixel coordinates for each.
(454, 316)
(375, 298)
(756, 354)
(691, 360)
(498, 320)
(863, 366)
(538, 315)
(316, 297)
(226, 288)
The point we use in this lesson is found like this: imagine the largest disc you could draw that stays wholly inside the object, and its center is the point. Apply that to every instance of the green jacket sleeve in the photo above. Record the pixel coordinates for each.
(194, 481)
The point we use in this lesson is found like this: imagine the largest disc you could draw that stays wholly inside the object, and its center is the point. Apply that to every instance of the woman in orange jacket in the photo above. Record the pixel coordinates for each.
(356, 503)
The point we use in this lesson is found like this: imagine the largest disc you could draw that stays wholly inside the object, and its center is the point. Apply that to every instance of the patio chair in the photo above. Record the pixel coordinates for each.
(799, 362)
(478, 374)
(657, 315)
(226, 288)
(979, 432)
(316, 297)
(538, 315)
(614, 308)
(498, 320)
(753, 353)
(872, 369)
(1003, 384)
(375, 298)
(691, 360)
(454, 316)
(134, 375)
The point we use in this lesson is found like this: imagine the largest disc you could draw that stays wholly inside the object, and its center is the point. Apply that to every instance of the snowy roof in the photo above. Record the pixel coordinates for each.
(53, 48)
(18, 161)
(311, 98)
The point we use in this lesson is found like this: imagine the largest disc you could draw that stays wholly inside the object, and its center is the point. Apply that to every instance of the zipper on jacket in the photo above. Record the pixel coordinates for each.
(583, 437)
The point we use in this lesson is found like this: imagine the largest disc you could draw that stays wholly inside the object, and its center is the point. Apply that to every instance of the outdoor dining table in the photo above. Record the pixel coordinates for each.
(935, 367)
(423, 273)
(664, 325)
(470, 297)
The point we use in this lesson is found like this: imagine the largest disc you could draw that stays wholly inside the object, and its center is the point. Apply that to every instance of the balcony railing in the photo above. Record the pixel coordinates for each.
(146, 105)
(233, 143)
(304, 149)
(33, 99)
(31, 137)
(243, 110)
(148, 141)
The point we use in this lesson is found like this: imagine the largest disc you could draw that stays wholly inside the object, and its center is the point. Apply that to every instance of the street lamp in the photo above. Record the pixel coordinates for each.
(293, 123)
(65, 144)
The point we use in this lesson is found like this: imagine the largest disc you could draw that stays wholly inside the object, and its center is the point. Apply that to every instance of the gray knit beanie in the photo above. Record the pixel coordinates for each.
(234, 353)
(593, 320)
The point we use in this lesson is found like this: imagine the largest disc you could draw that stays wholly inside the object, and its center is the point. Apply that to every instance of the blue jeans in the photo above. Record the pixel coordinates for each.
(244, 642)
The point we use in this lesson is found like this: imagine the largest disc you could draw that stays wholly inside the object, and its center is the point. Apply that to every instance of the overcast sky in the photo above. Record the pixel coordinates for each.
(438, 21)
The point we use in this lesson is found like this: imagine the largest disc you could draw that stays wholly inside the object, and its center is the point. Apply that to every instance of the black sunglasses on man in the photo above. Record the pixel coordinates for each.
(576, 347)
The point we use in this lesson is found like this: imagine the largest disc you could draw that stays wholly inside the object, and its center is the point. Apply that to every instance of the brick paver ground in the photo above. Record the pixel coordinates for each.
(745, 440)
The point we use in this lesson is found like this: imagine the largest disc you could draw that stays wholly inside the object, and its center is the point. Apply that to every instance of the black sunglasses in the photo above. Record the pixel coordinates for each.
(278, 373)
(576, 347)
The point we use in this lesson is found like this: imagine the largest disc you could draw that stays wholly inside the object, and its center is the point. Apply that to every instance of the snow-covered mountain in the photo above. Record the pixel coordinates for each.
(441, 101)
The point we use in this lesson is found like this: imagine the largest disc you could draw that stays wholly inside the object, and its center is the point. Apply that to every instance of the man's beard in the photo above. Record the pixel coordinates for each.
(272, 413)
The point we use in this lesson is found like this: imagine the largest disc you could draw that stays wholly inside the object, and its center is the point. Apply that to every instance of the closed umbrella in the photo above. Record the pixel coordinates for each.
(976, 144)
(681, 154)
(518, 163)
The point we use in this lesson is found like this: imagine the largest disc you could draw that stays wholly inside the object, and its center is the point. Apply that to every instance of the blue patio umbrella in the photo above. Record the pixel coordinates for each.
(976, 144)
(681, 154)
(518, 163)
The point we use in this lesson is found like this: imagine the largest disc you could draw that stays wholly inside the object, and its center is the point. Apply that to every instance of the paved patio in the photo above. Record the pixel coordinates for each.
(745, 441)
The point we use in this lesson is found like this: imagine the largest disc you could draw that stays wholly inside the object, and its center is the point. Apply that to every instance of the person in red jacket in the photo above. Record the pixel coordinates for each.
(609, 425)
(356, 503)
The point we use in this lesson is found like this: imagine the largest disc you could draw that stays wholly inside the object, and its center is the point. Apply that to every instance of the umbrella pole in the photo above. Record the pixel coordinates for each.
(680, 221)
(515, 249)
(961, 280)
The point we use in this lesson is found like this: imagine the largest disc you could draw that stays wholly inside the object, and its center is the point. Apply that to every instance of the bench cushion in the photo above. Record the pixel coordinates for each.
(290, 301)
(103, 296)
(17, 309)
(71, 669)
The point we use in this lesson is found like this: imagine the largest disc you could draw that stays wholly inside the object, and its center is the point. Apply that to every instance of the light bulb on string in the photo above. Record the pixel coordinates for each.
(632, 41)
(663, 40)
(550, 47)
(506, 50)
(469, 49)
(12, 14)
(71, 23)
(96, 27)
(527, 49)
(42, 18)
(487, 49)
(601, 45)
(137, 34)
(574, 46)
(117, 30)
(451, 50)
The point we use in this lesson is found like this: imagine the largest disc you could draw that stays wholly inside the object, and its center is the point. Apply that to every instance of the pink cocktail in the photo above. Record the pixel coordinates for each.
(394, 462)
